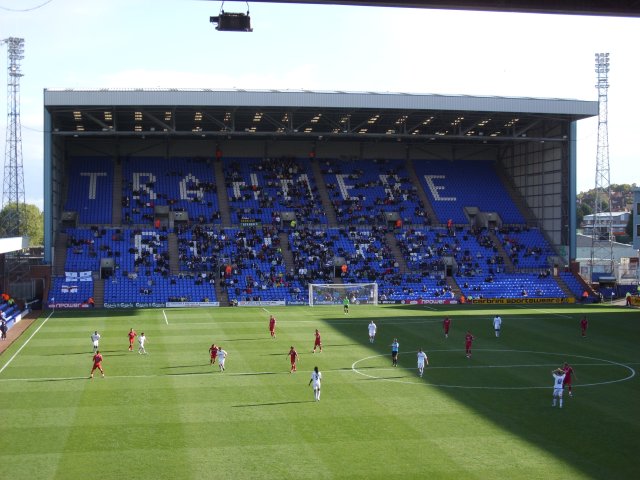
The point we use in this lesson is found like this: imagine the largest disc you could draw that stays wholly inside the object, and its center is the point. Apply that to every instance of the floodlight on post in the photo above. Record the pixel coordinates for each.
(602, 232)
(232, 22)
(13, 195)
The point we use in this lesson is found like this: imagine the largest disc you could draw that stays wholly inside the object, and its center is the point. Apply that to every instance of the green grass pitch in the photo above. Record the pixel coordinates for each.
(170, 415)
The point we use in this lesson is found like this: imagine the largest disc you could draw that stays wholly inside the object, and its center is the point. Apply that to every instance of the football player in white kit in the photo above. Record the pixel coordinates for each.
(422, 360)
(316, 377)
(142, 339)
(497, 324)
(372, 331)
(558, 386)
(222, 356)
(95, 338)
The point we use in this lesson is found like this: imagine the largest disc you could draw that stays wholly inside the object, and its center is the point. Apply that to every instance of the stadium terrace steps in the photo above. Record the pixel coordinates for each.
(174, 262)
(327, 206)
(286, 251)
(577, 285)
(98, 292)
(455, 288)
(60, 253)
(508, 264)
(116, 202)
(413, 176)
(390, 240)
(223, 199)
(221, 294)
(565, 288)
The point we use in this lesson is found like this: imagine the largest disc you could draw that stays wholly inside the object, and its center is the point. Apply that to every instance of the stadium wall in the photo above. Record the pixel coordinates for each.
(542, 175)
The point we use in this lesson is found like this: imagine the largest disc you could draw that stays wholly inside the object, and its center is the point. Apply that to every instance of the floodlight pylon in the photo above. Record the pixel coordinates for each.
(13, 195)
(602, 238)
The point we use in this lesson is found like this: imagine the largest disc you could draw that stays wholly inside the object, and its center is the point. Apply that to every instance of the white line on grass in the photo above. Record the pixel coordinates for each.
(268, 312)
(488, 387)
(545, 311)
(25, 343)
(165, 317)
(462, 367)
(351, 370)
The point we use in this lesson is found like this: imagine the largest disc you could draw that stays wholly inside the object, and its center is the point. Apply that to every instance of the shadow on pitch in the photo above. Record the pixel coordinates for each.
(82, 353)
(67, 353)
(269, 404)
(241, 339)
(186, 374)
(67, 379)
(189, 366)
(251, 374)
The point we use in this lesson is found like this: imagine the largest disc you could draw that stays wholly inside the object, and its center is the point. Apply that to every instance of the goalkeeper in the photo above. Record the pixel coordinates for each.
(345, 303)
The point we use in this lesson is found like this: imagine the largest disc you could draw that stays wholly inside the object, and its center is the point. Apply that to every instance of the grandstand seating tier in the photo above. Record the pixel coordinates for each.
(247, 261)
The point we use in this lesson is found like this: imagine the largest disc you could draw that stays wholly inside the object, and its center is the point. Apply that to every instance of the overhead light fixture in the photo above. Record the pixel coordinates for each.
(232, 22)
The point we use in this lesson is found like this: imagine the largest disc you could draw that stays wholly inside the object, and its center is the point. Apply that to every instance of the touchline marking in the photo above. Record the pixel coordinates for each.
(166, 320)
(545, 311)
(25, 343)
(604, 362)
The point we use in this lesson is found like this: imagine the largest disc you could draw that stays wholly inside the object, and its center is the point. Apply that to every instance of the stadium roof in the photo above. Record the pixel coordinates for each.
(305, 114)
(623, 8)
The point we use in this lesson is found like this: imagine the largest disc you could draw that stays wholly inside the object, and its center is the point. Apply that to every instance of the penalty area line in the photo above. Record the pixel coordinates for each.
(25, 343)
(166, 320)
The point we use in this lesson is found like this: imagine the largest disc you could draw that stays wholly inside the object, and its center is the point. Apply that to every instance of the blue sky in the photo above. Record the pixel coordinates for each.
(171, 44)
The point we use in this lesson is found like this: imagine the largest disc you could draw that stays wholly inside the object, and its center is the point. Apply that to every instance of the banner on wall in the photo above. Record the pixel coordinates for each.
(78, 276)
(69, 289)
(521, 300)
(192, 304)
(262, 303)
(66, 305)
(420, 301)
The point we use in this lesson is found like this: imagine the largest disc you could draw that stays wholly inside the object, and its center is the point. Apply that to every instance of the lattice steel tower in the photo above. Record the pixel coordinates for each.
(602, 259)
(13, 191)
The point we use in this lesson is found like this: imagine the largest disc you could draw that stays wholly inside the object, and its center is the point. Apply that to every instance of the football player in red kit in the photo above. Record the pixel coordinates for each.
(132, 338)
(293, 356)
(584, 324)
(272, 326)
(446, 323)
(569, 375)
(317, 343)
(97, 363)
(213, 352)
(468, 341)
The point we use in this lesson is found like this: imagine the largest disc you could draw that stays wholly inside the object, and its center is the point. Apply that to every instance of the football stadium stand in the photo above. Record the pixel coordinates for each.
(279, 237)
